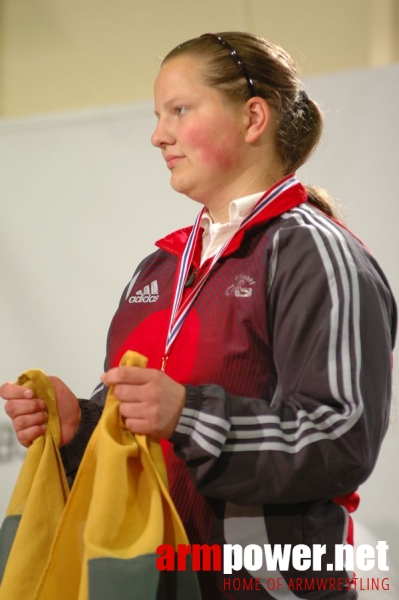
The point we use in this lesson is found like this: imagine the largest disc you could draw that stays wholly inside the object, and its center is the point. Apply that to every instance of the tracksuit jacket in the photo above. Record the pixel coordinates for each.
(286, 356)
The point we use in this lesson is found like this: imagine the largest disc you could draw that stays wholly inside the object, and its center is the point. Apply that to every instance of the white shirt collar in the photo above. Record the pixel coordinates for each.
(238, 209)
(216, 234)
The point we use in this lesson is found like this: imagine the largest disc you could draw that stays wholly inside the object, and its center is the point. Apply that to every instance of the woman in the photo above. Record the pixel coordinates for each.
(268, 327)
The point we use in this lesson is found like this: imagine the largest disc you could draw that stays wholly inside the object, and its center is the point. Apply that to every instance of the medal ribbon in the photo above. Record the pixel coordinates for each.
(180, 310)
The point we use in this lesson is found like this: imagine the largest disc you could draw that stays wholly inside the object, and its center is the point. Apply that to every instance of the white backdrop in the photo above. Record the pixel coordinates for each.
(84, 196)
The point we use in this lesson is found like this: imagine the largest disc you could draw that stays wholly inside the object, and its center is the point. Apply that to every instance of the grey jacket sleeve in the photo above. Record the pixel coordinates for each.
(332, 322)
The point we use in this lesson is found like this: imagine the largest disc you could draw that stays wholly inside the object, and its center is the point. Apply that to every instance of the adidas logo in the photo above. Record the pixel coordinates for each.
(149, 293)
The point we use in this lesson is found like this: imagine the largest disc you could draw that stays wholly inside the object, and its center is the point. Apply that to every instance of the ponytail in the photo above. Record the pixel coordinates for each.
(323, 201)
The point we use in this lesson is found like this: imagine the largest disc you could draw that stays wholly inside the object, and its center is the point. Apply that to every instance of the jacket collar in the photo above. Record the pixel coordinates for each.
(175, 242)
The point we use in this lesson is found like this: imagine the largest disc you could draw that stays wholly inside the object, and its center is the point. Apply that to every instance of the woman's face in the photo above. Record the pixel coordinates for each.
(201, 134)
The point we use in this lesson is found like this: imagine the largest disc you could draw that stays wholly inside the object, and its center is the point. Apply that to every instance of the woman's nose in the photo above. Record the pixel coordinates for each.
(161, 136)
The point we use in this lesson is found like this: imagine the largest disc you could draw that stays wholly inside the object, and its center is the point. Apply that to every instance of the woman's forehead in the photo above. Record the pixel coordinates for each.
(181, 71)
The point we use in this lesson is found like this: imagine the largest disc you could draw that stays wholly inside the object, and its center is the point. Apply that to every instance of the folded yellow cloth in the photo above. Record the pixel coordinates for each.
(100, 542)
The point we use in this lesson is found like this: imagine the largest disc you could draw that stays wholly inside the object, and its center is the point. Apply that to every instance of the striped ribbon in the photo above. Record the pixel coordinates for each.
(180, 310)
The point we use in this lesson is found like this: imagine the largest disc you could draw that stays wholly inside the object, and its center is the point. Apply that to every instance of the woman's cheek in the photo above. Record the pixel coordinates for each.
(215, 147)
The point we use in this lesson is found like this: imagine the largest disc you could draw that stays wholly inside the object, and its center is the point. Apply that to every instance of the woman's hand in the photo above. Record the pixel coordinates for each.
(29, 414)
(151, 402)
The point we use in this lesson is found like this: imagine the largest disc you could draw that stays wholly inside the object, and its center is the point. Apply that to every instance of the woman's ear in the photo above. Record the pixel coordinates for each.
(258, 117)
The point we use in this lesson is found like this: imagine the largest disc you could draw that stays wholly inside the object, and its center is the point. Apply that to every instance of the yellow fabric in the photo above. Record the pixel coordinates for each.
(119, 507)
(39, 496)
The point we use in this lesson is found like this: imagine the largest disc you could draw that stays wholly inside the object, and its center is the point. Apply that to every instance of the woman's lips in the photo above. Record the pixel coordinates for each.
(172, 160)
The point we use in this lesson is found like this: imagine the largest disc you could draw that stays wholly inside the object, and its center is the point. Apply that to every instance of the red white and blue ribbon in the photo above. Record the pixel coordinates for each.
(180, 309)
